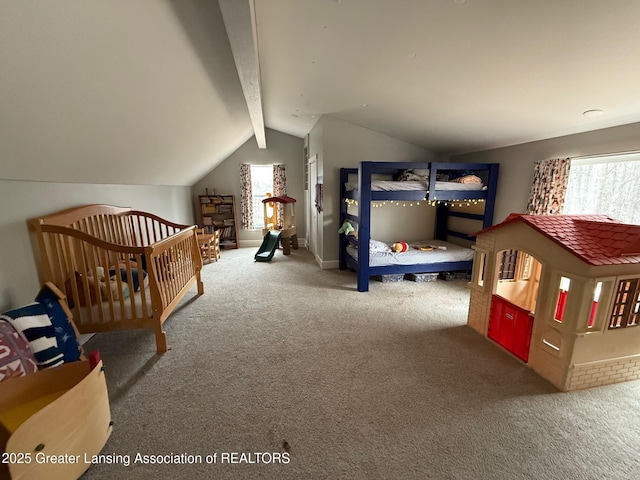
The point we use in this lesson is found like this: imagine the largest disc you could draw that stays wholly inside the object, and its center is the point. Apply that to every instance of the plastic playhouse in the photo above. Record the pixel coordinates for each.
(288, 235)
(562, 294)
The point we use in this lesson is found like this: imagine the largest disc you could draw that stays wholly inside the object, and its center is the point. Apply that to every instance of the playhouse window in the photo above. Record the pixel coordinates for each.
(481, 265)
(508, 262)
(525, 261)
(594, 304)
(561, 303)
(626, 305)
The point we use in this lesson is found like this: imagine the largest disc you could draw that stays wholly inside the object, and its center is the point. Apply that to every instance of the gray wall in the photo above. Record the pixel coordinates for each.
(22, 200)
(225, 178)
(516, 162)
(343, 144)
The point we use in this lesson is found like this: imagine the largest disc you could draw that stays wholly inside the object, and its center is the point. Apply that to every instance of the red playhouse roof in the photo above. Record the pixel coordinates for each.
(280, 199)
(595, 239)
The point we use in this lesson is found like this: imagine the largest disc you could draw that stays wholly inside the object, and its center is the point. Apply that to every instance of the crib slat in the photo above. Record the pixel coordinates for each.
(137, 259)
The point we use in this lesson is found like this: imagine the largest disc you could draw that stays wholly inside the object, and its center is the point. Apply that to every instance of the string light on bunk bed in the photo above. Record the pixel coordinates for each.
(431, 203)
(458, 203)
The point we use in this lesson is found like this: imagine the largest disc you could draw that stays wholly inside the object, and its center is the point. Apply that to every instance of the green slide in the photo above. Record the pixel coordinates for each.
(268, 247)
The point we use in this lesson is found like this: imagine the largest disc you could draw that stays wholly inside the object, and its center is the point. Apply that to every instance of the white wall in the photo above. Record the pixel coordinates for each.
(343, 144)
(225, 178)
(516, 162)
(22, 200)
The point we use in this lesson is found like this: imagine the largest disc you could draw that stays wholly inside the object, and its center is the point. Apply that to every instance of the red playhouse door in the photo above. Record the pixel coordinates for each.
(510, 326)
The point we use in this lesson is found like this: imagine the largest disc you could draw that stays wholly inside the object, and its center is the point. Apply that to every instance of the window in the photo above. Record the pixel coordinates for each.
(594, 304)
(604, 185)
(255, 182)
(261, 184)
(515, 265)
(626, 304)
(479, 267)
(561, 302)
(507, 269)
(524, 266)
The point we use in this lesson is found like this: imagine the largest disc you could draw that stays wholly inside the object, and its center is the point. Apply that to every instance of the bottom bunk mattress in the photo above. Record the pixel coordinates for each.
(422, 252)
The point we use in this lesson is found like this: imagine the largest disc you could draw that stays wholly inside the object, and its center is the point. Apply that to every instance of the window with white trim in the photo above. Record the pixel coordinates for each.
(608, 185)
(261, 184)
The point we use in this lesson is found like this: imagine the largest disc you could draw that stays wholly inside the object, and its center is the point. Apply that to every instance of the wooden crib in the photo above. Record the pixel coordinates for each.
(120, 268)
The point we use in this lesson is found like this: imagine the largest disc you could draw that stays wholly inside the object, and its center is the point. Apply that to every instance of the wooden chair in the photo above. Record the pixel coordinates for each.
(209, 244)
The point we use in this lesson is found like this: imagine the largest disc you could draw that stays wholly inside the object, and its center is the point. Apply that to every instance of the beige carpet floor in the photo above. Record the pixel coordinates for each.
(282, 370)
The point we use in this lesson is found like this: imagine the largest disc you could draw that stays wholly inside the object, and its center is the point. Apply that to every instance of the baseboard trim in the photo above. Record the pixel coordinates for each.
(327, 264)
(257, 243)
(250, 243)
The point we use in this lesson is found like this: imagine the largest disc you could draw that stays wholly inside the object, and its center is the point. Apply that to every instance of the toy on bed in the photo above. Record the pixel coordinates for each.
(400, 247)
(347, 229)
(53, 400)
(439, 184)
(430, 247)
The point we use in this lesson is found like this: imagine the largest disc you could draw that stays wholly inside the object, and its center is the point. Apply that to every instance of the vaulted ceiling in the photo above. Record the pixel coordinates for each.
(147, 91)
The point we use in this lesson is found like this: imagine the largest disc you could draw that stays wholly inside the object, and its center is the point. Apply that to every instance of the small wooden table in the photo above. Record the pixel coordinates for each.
(209, 244)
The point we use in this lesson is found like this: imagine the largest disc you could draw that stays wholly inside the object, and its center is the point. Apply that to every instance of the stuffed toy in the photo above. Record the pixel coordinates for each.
(400, 247)
(346, 228)
(117, 291)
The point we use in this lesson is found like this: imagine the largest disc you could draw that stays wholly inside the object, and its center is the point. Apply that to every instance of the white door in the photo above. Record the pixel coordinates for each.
(313, 211)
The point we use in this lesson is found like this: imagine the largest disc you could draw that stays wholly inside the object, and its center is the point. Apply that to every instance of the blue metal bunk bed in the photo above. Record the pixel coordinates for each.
(363, 195)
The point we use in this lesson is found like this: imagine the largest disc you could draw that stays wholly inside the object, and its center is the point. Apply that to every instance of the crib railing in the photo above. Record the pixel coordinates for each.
(172, 264)
(100, 278)
(118, 225)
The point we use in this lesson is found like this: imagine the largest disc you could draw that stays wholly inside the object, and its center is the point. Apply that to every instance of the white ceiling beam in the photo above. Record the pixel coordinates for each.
(240, 23)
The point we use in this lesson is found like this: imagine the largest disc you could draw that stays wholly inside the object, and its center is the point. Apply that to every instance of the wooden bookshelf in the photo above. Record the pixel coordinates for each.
(218, 212)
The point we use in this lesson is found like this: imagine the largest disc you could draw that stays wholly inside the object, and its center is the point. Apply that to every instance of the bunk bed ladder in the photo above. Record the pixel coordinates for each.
(364, 217)
(344, 215)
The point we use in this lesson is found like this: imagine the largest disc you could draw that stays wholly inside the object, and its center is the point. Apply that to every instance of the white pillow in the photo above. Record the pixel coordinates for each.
(422, 172)
(414, 175)
(377, 246)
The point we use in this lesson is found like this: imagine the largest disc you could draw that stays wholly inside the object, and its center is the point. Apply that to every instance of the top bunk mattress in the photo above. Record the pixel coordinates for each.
(400, 186)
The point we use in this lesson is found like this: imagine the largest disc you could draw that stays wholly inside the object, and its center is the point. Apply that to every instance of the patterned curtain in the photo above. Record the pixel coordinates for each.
(279, 188)
(246, 197)
(550, 179)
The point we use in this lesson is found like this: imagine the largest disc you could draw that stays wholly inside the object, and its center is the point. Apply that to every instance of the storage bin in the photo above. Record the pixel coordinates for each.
(56, 413)
(422, 277)
(395, 277)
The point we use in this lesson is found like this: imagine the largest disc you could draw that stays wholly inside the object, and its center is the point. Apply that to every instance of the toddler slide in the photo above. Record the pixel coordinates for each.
(268, 247)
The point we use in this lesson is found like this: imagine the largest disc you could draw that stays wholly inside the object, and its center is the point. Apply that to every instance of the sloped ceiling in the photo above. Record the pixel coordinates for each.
(117, 91)
(146, 91)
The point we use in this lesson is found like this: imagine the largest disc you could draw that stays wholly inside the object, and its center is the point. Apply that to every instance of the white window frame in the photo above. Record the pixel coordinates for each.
(607, 184)
(257, 175)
